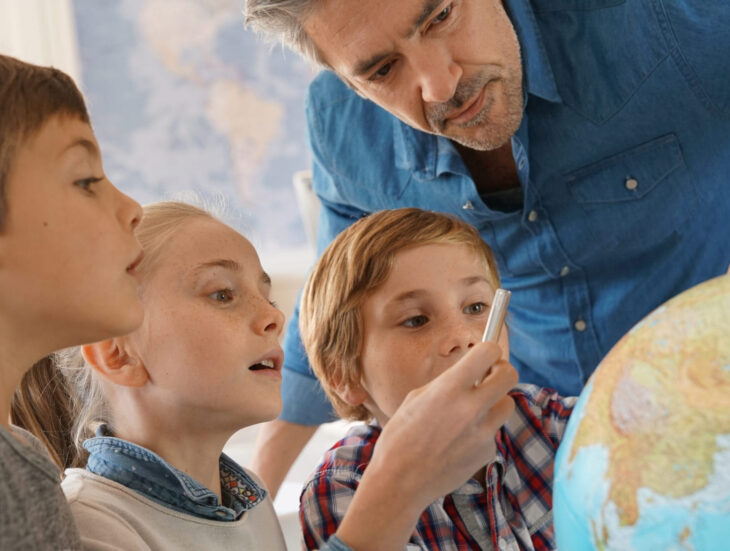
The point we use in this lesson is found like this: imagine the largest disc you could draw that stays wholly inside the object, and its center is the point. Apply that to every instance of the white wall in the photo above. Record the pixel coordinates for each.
(41, 32)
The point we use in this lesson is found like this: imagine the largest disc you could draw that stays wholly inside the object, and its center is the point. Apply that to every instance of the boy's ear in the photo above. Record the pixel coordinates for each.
(354, 395)
(110, 359)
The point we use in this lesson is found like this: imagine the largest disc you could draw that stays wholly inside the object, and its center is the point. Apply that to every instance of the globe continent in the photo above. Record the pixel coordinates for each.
(645, 461)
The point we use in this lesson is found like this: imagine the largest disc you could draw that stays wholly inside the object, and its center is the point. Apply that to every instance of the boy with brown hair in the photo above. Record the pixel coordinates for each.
(67, 257)
(395, 300)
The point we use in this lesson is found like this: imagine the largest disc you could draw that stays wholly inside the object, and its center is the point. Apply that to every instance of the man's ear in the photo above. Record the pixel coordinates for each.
(110, 359)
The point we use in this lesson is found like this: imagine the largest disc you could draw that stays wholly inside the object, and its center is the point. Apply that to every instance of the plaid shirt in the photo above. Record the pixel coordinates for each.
(515, 511)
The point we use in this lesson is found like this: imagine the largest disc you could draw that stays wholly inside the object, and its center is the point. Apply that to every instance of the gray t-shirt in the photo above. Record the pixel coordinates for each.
(33, 510)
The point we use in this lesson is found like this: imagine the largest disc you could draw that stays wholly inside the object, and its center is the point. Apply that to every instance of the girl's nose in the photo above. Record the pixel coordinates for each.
(269, 320)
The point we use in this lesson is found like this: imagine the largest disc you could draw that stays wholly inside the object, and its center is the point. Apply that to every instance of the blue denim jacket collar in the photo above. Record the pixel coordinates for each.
(428, 156)
(148, 474)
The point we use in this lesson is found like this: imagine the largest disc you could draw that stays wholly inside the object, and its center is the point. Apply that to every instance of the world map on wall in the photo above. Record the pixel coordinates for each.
(188, 104)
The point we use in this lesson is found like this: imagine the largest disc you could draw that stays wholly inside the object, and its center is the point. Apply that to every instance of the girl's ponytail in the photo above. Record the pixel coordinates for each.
(43, 405)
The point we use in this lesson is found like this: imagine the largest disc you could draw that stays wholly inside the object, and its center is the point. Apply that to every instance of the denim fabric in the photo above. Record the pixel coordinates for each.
(623, 155)
(147, 473)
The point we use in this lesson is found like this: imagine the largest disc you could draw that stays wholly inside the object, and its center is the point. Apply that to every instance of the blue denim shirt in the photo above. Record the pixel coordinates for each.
(623, 155)
(147, 473)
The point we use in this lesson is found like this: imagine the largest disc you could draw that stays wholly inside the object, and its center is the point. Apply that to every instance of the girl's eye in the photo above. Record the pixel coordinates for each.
(476, 308)
(415, 321)
(86, 183)
(222, 295)
(442, 16)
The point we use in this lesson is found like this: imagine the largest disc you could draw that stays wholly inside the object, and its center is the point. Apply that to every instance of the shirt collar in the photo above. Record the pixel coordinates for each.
(149, 474)
(427, 155)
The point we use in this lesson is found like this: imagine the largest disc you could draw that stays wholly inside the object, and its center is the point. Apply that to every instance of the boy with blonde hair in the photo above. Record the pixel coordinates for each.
(395, 300)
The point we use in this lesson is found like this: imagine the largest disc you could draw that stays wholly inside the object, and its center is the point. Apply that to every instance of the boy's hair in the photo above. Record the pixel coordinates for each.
(29, 96)
(354, 265)
(60, 400)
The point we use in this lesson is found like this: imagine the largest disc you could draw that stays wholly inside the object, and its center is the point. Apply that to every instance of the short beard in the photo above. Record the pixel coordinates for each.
(493, 134)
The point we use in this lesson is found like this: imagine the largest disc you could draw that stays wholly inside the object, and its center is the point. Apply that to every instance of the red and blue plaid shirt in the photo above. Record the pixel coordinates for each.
(515, 511)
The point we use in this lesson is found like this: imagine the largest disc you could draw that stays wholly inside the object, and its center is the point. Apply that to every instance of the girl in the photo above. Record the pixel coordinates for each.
(67, 258)
(163, 400)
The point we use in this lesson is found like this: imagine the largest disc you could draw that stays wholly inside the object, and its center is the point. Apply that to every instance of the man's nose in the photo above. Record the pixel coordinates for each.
(438, 74)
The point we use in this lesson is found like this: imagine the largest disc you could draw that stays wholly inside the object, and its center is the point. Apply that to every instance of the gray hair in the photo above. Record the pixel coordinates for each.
(282, 20)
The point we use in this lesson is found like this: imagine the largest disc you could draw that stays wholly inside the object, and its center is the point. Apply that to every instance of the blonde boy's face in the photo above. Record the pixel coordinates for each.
(210, 338)
(424, 318)
(67, 249)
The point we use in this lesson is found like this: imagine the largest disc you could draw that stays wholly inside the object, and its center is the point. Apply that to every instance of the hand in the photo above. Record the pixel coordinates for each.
(441, 434)
(444, 431)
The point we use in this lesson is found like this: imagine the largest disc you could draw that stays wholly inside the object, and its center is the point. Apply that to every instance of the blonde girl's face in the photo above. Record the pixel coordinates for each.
(210, 338)
(67, 250)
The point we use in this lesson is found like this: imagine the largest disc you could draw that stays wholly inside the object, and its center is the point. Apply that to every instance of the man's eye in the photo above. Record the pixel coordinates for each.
(382, 72)
(476, 308)
(222, 295)
(443, 15)
(415, 321)
(86, 183)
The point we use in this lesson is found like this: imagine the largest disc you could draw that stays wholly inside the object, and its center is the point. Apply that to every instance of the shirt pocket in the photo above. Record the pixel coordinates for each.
(635, 199)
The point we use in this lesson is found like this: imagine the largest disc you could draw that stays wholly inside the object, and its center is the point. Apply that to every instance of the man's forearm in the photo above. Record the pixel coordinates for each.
(278, 444)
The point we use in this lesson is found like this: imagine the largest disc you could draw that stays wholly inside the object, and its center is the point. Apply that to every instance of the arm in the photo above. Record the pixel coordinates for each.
(305, 405)
(278, 444)
(462, 421)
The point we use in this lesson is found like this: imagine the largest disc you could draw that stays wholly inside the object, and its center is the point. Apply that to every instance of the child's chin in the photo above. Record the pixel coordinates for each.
(131, 320)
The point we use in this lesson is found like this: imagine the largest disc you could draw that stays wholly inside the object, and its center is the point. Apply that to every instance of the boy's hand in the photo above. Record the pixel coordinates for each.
(444, 431)
(441, 435)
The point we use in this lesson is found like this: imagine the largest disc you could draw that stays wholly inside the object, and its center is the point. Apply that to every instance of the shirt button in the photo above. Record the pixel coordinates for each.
(522, 163)
(468, 206)
(631, 184)
(502, 543)
(564, 271)
(533, 216)
(580, 325)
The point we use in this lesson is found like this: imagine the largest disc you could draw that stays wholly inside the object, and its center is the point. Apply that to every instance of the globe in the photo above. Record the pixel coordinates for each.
(645, 460)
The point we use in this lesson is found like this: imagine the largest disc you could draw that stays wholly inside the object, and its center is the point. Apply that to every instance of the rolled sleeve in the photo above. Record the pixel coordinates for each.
(305, 402)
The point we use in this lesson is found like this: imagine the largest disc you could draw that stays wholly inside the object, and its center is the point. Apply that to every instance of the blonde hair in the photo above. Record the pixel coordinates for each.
(349, 271)
(60, 399)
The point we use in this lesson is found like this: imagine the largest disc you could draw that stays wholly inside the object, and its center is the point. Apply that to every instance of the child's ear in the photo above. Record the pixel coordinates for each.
(354, 395)
(110, 359)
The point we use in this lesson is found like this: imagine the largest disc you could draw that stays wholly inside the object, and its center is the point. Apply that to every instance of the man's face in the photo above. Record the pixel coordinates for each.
(448, 67)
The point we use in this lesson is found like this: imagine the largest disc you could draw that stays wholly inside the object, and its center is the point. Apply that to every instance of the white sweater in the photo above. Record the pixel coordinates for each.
(113, 517)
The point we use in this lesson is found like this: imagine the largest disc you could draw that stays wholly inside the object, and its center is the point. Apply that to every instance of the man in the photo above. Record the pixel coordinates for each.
(589, 142)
